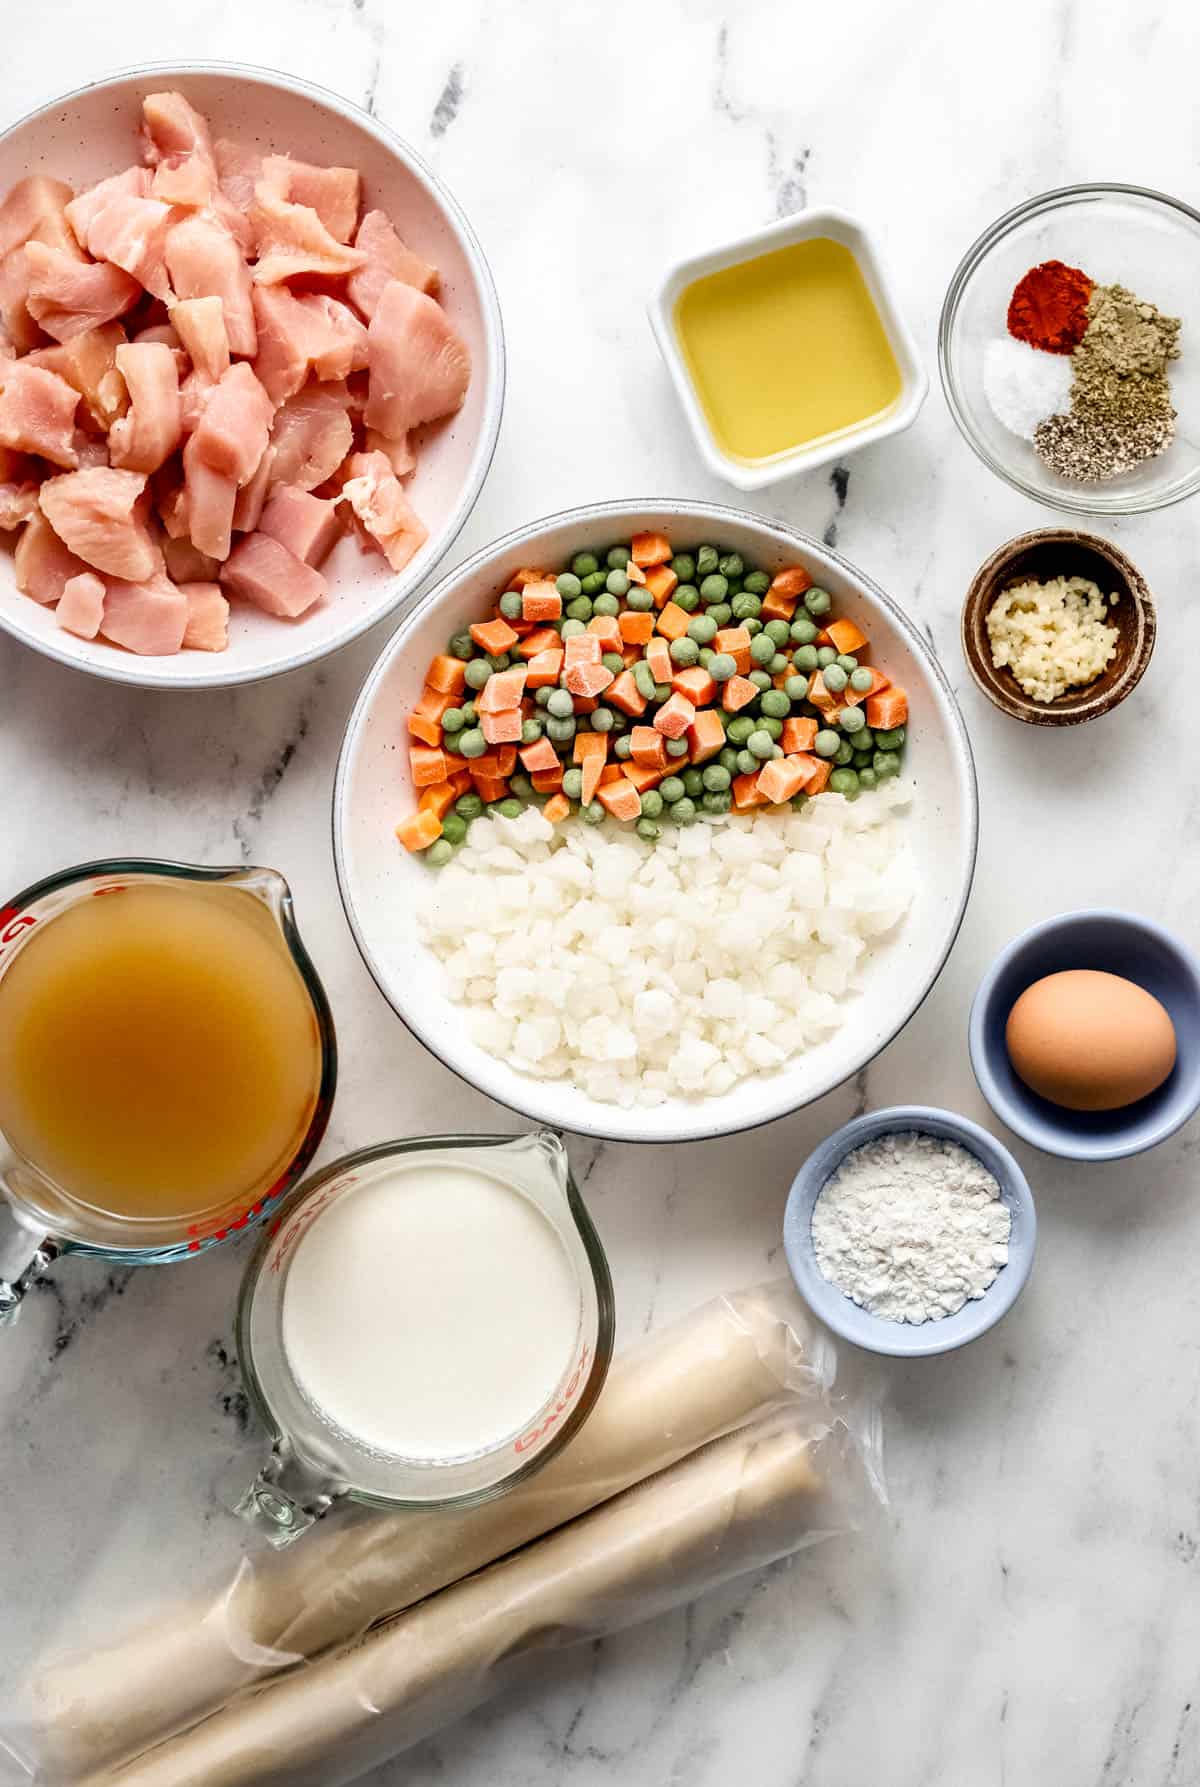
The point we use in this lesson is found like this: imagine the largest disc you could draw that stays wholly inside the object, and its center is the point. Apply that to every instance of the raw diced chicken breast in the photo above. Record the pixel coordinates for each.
(238, 169)
(131, 232)
(170, 126)
(271, 577)
(80, 608)
(69, 297)
(207, 627)
(22, 331)
(194, 393)
(378, 501)
(333, 193)
(420, 368)
(18, 502)
(170, 499)
(231, 435)
(148, 617)
(307, 525)
(183, 180)
(43, 565)
(34, 206)
(98, 514)
(83, 211)
(399, 453)
(339, 343)
(252, 496)
(151, 431)
(210, 497)
(37, 412)
(90, 449)
(387, 258)
(186, 563)
(88, 362)
(204, 261)
(311, 436)
(200, 323)
(293, 240)
(296, 333)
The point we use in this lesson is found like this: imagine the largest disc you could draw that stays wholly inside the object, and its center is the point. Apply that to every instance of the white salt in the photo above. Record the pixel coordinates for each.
(1024, 384)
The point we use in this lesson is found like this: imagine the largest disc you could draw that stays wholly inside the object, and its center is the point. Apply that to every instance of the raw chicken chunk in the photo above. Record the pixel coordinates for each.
(21, 329)
(307, 525)
(18, 490)
(398, 452)
(204, 261)
(200, 323)
(333, 193)
(311, 436)
(80, 608)
(252, 495)
(381, 507)
(42, 564)
(172, 127)
(88, 362)
(37, 412)
(293, 240)
(82, 212)
(231, 435)
(420, 368)
(34, 210)
(170, 499)
(141, 440)
(210, 499)
(207, 627)
(148, 617)
(238, 169)
(186, 563)
(131, 232)
(271, 577)
(387, 258)
(98, 514)
(69, 297)
(298, 333)
(185, 180)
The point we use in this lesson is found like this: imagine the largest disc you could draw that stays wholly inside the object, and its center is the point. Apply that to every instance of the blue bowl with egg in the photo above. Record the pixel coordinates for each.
(878, 1334)
(1110, 942)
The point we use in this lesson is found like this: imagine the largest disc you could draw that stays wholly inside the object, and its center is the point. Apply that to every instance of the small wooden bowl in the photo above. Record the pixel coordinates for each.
(1061, 552)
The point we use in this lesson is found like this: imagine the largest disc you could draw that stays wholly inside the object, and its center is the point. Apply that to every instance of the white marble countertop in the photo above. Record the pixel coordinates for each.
(1034, 1611)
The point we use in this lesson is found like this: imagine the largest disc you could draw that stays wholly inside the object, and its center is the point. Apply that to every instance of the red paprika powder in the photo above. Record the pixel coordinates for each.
(1049, 307)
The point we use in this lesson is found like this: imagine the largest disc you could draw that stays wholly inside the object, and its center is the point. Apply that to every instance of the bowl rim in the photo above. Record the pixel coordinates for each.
(532, 1111)
(1079, 193)
(131, 674)
(1024, 707)
(847, 1319)
(1002, 1105)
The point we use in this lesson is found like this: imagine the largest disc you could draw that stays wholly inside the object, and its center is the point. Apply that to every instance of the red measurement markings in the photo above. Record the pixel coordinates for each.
(570, 1390)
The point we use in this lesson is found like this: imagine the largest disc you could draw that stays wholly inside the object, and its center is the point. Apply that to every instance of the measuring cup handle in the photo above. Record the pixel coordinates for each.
(287, 1496)
(25, 1253)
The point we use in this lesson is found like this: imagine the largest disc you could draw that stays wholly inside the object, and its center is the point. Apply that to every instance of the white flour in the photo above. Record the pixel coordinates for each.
(910, 1227)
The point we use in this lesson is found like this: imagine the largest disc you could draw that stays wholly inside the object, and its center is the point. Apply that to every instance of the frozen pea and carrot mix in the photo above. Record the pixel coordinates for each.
(650, 687)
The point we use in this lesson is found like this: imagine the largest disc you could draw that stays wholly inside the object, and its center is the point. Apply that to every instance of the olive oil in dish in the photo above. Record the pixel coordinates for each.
(159, 1052)
(786, 349)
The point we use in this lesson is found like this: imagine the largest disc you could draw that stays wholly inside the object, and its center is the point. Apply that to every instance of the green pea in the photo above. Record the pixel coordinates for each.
(868, 777)
(568, 585)
(707, 560)
(593, 813)
(606, 603)
(560, 704)
(478, 671)
(860, 680)
(462, 646)
(468, 806)
(762, 648)
(731, 565)
(617, 557)
(775, 703)
(623, 747)
(746, 606)
(844, 781)
(617, 722)
(706, 657)
(617, 584)
(721, 613)
(595, 583)
(584, 563)
(861, 758)
(818, 601)
(643, 676)
(844, 753)
(472, 742)
(826, 656)
(714, 588)
(757, 583)
(748, 764)
(772, 726)
(864, 739)
(613, 661)
(848, 663)
(722, 667)
(853, 720)
(685, 652)
(531, 731)
(796, 688)
(687, 597)
(499, 660)
(677, 747)
(662, 692)
(703, 629)
(799, 802)
(470, 713)
(739, 729)
(891, 740)
(672, 789)
(693, 782)
(778, 664)
(778, 632)
(683, 811)
(572, 783)
(647, 829)
(753, 627)
(521, 786)
(760, 679)
(580, 609)
(572, 628)
(542, 696)
(454, 828)
(727, 759)
(886, 763)
(510, 809)
(652, 803)
(510, 604)
(602, 719)
(826, 743)
(802, 631)
(439, 853)
(805, 658)
(684, 566)
(835, 678)
(560, 732)
(716, 801)
(639, 599)
(452, 720)
(715, 777)
(759, 743)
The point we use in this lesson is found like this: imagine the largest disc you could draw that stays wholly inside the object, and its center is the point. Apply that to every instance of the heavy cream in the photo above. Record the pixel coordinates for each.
(430, 1313)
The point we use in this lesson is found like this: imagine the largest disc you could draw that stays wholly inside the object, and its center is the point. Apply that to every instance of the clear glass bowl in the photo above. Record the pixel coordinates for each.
(1123, 235)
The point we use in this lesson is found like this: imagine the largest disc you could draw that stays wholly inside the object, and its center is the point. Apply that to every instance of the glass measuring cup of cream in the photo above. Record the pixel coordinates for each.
(167, 1062)
(425, 1323)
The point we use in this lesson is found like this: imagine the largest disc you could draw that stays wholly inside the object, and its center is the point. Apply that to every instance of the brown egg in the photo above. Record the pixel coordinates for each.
(1090, 1041)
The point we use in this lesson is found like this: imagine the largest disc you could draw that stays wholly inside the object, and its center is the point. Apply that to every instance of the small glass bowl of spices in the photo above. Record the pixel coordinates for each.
(1069, 349)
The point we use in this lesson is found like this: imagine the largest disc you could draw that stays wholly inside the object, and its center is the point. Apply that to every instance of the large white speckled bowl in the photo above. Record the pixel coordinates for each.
(93, 132)
(381, 884)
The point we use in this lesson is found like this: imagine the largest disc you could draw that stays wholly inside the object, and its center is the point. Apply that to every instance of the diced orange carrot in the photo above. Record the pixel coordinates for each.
(522, 627)
(706, 735)
(612, 772)
(502, 728)
(747, 793)
(650, 549)
(738, 692)
(658, 658)
(428, 766)
(642, 776)
(607, 631)
(495, 764)
(547, 780)
(735, 641)
(489, 788)
(777, 607)
(634, 572)
(502, 690)
(556, 808)
(820, 696)
(620, 798)
(588, 679)
(845, 636)
(696, 684)
(780, 779)
(421, 726)
(590, 744)
(793, 580)
(545, 668)
(460, 781)
(544, 640)
(797, 735)
(539, 755)
(672, 623)
(519, 579)
(448, 674)
(674, 716)
(582, 648)
(590, 779)
(816, 770)
(456, 766)
(586, 704)
(419, 832)
(626, 695)
(493, 636)
(438, 799)
(853, 697)
(887, 709)
(635, 628)
(660, 581)
(817, 782)
(434, 702)
(823, 638)
(540, 601)
(649, 747)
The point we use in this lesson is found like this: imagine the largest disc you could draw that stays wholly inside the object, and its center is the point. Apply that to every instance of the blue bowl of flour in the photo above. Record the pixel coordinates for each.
(902, 1339)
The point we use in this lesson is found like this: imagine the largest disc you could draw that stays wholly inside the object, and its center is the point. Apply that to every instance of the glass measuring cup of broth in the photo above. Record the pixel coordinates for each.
(167, 1062)
(424, 1324)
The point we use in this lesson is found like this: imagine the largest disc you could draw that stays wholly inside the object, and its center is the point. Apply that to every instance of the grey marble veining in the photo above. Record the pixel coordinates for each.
(1032, 1611)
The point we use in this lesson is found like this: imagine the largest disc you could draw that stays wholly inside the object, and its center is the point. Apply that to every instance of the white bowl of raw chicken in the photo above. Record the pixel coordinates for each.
(383, 887)
(92, 133)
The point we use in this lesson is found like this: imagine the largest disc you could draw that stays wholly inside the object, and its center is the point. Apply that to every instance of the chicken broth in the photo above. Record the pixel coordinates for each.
(159, 1053)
